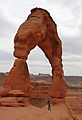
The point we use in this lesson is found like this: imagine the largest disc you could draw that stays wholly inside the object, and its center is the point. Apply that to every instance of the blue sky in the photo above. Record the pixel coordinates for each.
(68, 17)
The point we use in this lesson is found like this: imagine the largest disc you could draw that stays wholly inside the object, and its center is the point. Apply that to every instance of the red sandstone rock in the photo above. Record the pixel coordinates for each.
(39, 29)
(56, 101)
(8, 100)
(15, 93)
(15, 104)
(18, 77)
(14, 101)
(22, 100)
(71, 112)
(4, 92)
(58, 87)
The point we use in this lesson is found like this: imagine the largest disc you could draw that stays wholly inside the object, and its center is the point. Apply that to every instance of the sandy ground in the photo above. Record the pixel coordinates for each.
(59, 112)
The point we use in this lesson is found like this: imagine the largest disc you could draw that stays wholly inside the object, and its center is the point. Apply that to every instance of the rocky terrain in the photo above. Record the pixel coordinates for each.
(40, 87)
(38, 98)
(74, 100)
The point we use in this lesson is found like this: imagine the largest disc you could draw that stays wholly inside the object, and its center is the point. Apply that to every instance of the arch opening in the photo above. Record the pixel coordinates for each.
(40, 75)
(38, 63)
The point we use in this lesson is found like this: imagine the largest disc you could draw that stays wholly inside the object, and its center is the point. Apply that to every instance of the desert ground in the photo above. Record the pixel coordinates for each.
(38, 100)
(37, 109)
(74, 99)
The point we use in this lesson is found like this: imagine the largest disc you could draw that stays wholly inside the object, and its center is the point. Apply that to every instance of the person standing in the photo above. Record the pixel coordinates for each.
(49, 105)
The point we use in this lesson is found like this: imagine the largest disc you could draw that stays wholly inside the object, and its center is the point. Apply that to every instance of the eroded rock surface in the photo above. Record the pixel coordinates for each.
(14, 98)
(18, 77)
(39, 29)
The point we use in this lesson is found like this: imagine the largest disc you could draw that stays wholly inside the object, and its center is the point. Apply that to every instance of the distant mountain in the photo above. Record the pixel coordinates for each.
(39, 77)
(74, 80)
(71, 80)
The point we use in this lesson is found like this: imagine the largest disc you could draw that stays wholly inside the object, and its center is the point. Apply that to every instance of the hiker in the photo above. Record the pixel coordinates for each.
(49, 106)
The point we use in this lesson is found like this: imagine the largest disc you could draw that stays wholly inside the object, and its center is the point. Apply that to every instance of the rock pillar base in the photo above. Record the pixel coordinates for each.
(18, 78)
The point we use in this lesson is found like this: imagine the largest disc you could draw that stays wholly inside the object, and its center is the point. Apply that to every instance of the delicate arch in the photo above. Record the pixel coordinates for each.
(39, 29)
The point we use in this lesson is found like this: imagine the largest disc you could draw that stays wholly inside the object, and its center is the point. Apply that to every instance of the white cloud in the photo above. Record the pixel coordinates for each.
(67, 15)
(6, 61)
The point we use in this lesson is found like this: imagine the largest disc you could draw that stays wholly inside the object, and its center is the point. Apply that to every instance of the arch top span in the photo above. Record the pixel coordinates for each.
(40, 30)
(33, 32)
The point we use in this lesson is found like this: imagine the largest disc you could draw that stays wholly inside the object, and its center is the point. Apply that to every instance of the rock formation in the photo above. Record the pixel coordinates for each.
(38, 30)
(18, 77)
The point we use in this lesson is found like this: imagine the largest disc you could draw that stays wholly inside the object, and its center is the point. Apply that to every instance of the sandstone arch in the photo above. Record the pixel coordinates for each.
(39, 29)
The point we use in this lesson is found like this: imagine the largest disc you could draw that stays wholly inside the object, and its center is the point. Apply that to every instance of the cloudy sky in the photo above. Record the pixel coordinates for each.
(68, 16)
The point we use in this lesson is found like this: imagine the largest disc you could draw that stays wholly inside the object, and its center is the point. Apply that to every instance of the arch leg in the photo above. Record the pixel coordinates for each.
(18, 78)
